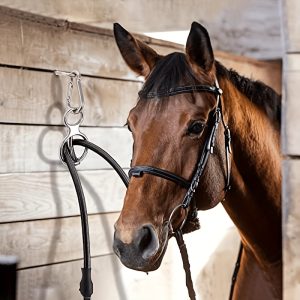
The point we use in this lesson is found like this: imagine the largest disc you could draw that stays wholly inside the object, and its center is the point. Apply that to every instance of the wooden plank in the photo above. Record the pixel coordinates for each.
(39, 98)
(290, 106)
(38, 45)
(111, 281)
(61, 281)
(291, 228)
(54, 21)
(257, 20)
(36, 148)
(55, 240)
(57, 47)
(30, 196)
(109, 276)
(291, 24)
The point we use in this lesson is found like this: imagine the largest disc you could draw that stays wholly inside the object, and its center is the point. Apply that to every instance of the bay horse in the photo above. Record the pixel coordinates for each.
(170, 129)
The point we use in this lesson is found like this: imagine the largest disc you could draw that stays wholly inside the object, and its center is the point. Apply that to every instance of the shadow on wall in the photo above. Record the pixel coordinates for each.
(220, 265)
(52, 285)
(119, 282)
(54, 165)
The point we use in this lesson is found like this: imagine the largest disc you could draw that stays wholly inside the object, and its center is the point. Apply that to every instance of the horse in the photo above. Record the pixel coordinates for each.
(170, 124)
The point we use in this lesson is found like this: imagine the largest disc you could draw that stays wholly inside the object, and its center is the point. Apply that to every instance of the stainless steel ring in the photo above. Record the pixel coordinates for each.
(171, 216)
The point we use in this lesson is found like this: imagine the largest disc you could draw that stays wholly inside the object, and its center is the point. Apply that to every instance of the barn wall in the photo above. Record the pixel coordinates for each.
(250, 28)
(291, 149)
(39, 218)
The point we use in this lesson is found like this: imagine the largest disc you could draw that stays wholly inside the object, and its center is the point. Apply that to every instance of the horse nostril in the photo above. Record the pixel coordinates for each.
(146, 241)
(145, 238)
(142, 247)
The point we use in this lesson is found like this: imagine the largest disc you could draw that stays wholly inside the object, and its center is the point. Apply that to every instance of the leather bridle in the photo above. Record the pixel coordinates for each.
(69, 157)
(208, 149)
(191, 186)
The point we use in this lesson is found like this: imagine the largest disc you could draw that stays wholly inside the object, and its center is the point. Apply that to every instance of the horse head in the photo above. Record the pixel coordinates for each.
(170, 125)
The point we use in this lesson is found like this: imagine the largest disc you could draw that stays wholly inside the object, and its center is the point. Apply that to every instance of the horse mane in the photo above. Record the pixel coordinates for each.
(255, 90)
(173, 70)
(169, 72)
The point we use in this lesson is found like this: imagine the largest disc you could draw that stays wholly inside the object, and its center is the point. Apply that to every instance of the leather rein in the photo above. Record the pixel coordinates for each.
(191, 186)
(70, 159)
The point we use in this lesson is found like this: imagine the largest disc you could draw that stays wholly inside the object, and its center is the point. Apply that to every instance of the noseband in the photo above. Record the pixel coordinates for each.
(191, 186)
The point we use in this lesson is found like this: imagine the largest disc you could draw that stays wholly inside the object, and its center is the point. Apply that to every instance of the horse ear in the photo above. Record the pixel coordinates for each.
(138, 56)
(198, 47)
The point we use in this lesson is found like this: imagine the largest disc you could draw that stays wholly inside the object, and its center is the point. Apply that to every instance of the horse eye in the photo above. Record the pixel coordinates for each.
(196, 128)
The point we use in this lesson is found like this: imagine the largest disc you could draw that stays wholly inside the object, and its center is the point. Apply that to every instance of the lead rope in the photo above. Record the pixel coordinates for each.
(208, 149)
(69, 158)
(186, 264)
(235, 272)
(86, 284)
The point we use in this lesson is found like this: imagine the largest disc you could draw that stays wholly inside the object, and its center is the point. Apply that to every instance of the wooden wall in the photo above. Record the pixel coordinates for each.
(291, 149)
(250, 28)
(39, 218)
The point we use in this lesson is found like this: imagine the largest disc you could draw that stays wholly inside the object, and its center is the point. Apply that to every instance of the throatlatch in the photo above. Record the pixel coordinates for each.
(137, 171)
(69, 157)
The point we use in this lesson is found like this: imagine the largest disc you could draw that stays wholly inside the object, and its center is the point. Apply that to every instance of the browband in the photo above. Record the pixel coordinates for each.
(181, 90)
(191, 186)
(138, 171)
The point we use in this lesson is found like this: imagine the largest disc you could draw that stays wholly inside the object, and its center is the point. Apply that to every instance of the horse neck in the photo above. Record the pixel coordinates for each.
(254, 202)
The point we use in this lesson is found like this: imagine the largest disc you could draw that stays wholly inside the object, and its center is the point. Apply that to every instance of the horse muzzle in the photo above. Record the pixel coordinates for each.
(143, 253)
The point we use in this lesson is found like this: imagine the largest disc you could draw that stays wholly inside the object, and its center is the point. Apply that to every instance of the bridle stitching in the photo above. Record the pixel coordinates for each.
(191, 186)
(138, 171)
(206, 151)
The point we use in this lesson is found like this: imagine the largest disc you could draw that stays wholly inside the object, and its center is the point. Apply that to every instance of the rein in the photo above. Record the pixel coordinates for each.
(208, 149)
(76, 138)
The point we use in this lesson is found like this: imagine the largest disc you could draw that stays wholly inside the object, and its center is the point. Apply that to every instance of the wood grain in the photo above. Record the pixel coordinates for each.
(39, 98)
(55, 240)
(58, 48)
(112, 281)
(291, 24)
(36, 148)
(30, 196)
(61, 281)
(291, 148)
(290, 106)
(250, 28)
(30, 44)
(291, 228)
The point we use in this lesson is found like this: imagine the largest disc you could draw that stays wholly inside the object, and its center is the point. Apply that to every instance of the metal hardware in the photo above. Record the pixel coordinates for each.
(169, 223)
(73, 75)
(73, 111)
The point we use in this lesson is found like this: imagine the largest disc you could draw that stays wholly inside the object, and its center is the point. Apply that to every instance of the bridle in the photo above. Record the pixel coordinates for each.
(69, 158)
(191, 186)
(208, 149)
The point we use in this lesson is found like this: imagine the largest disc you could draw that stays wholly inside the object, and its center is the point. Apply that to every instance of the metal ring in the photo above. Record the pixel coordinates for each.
(74, 131)
(74, 112)
(69, 140)
(171, 216)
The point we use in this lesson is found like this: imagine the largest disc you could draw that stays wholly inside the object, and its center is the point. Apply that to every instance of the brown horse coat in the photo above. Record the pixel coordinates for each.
(165, 136)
